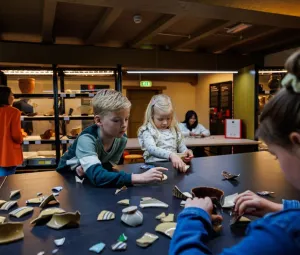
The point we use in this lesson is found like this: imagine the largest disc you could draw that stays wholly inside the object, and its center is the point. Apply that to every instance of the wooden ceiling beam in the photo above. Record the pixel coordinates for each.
(201, 33)
(105, 22)
(49, 12)
(193, 8)
(285, 42)
(246, 40)
(164, 22)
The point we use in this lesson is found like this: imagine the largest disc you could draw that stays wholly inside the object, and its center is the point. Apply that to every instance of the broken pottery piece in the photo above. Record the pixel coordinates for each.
(229, 200)
(153, 203)
(217, 227)
(234, 218)
(166, 228)
(119, 246)
(47, 201)
(186, 167)
(131, 216)
(164, 177)
(79, 180)
(41, 253)
(97, 247)
(182, 203)
(10, 232)
(169, 218)
(106, 215)
(160, 216)
(64, 220)
(123, 202)
(2, 202)
(8, 205)
(265, 193)
(56, 194)
(146, 240)
(121, 189)
(46, 215)
(179, 194)
(21, 211)
(57, 189)
(39, 194)
(2, 219)
(122, 238)
(229, 176)
(14, 193)
(60, 242)
(54, 251)
(146, 198)
(36, 200)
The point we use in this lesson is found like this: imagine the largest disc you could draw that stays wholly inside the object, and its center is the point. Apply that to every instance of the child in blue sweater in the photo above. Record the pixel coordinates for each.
(278, 232)
(101, 145)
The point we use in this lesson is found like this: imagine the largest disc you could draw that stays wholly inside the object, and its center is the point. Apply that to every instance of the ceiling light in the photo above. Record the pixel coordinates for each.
(271, 71)
(28, 72)
(88, 73)
(180, 72)
(238, 28)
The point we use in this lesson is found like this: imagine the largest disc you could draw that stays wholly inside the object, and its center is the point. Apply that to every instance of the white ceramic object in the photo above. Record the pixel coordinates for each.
(131, 216)
(153, 203)
(229, 201)
(60, 242)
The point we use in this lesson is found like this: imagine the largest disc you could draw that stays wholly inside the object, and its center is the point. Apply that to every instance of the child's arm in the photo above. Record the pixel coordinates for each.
(150, 145)
(99, 176)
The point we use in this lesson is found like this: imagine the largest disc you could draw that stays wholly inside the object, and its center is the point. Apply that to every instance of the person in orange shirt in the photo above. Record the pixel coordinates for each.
(11, 137)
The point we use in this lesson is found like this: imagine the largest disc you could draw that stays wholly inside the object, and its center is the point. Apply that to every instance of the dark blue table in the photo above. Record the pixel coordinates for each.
(259, 171)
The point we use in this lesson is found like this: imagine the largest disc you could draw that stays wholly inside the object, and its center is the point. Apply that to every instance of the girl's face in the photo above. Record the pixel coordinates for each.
(11, 98)
(162, 120)
(289, 163)
(192, 120)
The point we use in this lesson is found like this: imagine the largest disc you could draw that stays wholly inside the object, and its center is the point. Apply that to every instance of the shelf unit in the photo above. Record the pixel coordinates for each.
(58, 76)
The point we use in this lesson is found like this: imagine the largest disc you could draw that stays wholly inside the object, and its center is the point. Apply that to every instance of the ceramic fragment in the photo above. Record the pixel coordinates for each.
(106, 215)
(169, 218)
(46, 215)
(10, 232)
(146, 240)
(21, 211)
(97, 247)
(47, 201)
(59, 242)
(8, 205)
(119, 246)
(160, 216)
(131, 216)
(153, 203)
(121, 189)
(166, 228)
(64, 220)
(14, 193)
(123, 202)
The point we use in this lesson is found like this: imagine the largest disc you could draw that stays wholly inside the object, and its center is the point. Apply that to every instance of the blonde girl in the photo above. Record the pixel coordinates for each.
(160, 136)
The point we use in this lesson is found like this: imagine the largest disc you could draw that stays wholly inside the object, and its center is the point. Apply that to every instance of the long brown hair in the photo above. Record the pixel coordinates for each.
(4, 95)
(281, 115)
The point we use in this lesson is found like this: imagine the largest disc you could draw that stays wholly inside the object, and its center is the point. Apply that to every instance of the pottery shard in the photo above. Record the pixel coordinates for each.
(106, 215)
(47, 201)
(123, 202)
(153, 203)
(169, 218)
(14, 193)
(19, 212)
(64, 220)
(146, 240)
(160, 216)
(8, 205)
(119, 246)
(166, 228)
(10, 232)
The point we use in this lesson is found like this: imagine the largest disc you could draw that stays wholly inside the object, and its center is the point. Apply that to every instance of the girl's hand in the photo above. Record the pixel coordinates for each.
(189, 154)
(177, 162)
(152, 175)
(250, 203)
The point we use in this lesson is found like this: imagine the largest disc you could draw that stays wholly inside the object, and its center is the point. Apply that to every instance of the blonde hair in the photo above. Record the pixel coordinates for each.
(109, 100)
(163, 103)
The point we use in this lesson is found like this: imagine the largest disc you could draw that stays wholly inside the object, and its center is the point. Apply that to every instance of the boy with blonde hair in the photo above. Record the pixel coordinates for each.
(101, 145)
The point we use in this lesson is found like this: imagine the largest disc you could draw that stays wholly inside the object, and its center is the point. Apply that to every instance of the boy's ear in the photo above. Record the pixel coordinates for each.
(295, 138)
(97, 120)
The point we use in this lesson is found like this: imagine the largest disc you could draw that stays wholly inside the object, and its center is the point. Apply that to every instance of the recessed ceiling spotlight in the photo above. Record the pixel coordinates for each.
(137, 19)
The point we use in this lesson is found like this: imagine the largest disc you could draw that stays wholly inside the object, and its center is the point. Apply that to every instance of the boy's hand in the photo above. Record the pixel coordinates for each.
(250, 203)
(203, 203)
(177, 162)
(153, 175)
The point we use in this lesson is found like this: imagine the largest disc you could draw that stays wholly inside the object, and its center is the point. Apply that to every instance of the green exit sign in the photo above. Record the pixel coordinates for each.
(145, 83)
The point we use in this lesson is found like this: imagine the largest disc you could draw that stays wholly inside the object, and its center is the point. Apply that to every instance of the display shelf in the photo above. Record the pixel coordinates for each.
(39, 140)
(76, 95)
(33, 96)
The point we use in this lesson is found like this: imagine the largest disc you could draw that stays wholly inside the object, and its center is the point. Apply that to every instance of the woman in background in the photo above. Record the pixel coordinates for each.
(11, 137)
(191, 127)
